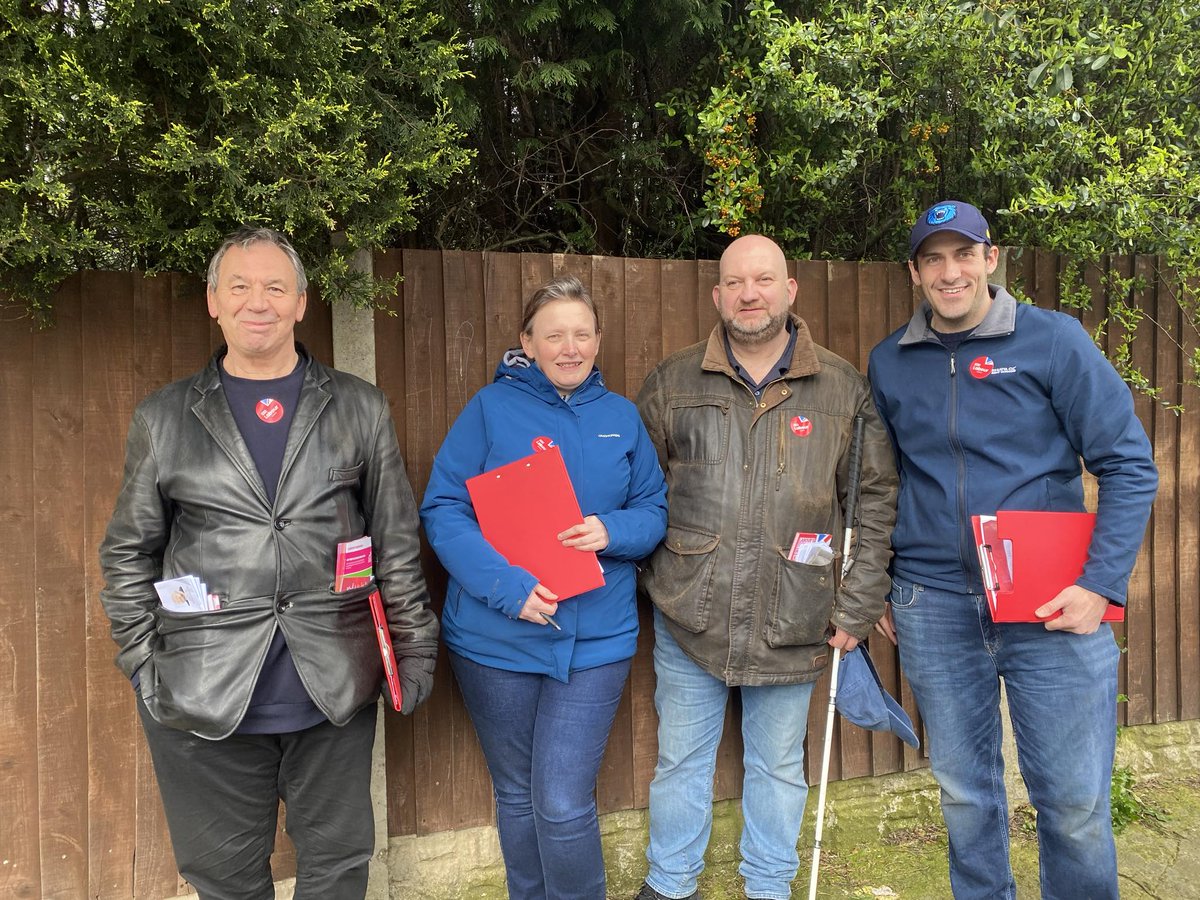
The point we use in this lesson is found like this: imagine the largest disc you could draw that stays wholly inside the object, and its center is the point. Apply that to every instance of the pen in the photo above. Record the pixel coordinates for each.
(549, 620)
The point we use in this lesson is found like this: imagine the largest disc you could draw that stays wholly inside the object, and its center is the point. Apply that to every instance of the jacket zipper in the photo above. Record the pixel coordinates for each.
(960, 462)
(783, 426)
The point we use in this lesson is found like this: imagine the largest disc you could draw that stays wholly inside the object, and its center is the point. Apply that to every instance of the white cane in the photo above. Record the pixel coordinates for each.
(851, 511)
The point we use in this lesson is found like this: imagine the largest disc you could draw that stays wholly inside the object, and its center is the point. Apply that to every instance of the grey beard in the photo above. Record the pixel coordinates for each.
(761, 335)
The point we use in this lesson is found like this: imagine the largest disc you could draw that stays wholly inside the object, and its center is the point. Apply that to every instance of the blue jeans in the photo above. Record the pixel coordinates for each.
(1062, 696)
(691, 711)
(543, 741)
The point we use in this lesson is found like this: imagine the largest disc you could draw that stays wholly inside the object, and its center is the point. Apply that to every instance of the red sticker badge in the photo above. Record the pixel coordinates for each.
(269, 410)
(542, 443)
(801, 426)
(981, 366)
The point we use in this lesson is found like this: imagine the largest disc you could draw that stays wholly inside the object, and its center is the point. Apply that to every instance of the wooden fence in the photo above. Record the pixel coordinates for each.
(79, 809)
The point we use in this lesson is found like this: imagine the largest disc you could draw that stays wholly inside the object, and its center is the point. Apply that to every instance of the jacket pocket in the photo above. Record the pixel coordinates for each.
(680, 577)
(698, 430)
(348, 475)
(801, 604)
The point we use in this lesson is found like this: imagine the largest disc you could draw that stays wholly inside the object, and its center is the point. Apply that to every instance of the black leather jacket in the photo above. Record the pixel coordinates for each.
(743, 476)
(192, 503)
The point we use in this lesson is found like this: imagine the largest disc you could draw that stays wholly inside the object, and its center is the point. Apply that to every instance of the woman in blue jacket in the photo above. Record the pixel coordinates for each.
(542, 699)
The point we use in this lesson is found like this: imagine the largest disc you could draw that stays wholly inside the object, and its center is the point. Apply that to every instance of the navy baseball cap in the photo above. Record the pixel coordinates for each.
(862, 700)
(949, 215)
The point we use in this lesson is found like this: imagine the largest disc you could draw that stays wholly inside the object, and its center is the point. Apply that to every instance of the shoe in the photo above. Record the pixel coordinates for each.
(649, 893)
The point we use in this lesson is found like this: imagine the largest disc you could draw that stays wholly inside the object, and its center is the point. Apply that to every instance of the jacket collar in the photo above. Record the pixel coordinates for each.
(1001, 319)
(804, 356)
(517, 369)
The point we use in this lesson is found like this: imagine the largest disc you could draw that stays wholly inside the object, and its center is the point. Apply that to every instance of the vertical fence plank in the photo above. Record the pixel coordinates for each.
(20, 868)
(58, 433)
(466, 372)
(1165, 438)
(390, 375)
(425, 378)
(1139, 616)
(812, 297)
(644, 287)
(505, 303)
(154, 315)
(842, 309)
(874, 298)
(608, 291)
(680, 311)
(1187, 539)
(112, 729)
(707, 273)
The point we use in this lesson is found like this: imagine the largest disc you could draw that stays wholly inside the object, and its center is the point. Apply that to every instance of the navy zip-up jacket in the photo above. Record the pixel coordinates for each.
(1002, 423)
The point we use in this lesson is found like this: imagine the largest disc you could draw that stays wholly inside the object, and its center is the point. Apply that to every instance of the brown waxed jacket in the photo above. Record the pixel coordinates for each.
(743, 476)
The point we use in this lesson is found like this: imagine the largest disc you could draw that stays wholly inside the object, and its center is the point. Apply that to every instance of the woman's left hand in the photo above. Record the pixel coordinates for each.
(591, 535)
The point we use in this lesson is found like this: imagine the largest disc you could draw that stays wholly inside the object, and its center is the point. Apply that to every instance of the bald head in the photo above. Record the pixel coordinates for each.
(757, 247)
(755, 293)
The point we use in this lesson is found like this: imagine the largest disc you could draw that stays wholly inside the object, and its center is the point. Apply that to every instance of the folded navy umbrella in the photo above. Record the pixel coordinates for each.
(862, 700)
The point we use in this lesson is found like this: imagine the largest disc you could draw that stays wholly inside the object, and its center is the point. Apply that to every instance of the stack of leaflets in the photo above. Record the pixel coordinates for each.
(186, 594)
(812, 549)
(354, 566)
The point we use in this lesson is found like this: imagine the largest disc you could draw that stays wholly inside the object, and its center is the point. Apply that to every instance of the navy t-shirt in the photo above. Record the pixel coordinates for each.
(263, 410)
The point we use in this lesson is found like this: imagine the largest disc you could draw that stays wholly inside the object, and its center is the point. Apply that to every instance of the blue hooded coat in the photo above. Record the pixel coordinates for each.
(615, 472)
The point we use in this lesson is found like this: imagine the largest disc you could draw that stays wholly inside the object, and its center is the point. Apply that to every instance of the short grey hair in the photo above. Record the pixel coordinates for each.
(244, 237)
(564, 287)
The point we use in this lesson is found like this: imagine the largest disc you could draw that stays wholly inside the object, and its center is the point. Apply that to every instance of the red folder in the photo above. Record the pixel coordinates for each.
(522, 507)
(1027, 557)
(386, 652)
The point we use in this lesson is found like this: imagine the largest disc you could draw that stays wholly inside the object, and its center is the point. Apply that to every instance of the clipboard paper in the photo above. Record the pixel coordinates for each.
(522, 507)
(1026, 557)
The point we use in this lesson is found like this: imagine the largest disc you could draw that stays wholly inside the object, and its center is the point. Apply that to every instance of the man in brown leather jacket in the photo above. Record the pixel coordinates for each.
(247, 476)
(753, 431)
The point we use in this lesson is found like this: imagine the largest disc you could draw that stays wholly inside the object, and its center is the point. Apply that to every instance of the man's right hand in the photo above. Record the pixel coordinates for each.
(416, 681)
(885, 625)
(541, 602)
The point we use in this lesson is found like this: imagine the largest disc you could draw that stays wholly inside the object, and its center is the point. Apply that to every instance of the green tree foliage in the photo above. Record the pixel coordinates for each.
(136, 133)
(571, 151)
(1074, 125)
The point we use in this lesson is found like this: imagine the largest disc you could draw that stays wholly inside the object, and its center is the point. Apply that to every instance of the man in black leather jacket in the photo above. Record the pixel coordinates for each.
(247, 476)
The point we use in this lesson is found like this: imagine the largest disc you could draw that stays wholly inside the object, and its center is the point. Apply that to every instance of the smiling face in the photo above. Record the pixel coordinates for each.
(755, 293)
(952, 271)
(257, 305)
(562, 340)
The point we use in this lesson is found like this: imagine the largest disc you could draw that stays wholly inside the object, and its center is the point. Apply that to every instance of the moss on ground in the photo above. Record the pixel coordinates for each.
(1158, 858)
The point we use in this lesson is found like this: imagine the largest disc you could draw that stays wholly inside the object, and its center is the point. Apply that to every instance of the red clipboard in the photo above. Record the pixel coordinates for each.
(1027, 557)
(522, 507)
(386, 651)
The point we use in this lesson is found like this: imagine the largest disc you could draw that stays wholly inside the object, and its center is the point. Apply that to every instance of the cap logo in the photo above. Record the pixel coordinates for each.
(940, 215)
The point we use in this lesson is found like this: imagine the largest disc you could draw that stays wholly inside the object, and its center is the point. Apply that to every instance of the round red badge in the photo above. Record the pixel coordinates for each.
(981, 366)
(542, 443)
(801, 426)
(269, 410)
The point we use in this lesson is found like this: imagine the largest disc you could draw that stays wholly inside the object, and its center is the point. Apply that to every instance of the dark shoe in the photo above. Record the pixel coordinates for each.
(649, 893)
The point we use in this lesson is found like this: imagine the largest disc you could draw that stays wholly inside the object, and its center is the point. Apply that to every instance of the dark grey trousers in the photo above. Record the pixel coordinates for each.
(222, 797)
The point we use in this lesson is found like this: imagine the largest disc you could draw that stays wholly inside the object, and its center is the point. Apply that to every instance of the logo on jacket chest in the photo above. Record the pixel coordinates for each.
(542, 443)
(801, 426)
(269, 410)
(983, 366)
